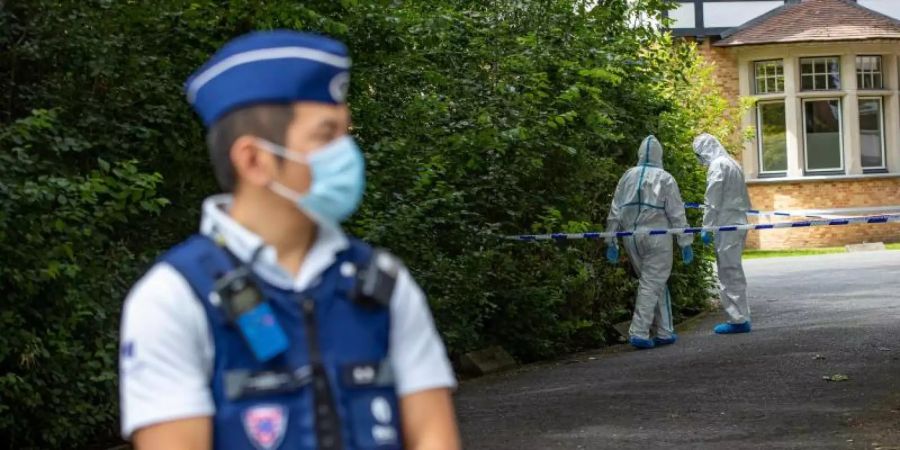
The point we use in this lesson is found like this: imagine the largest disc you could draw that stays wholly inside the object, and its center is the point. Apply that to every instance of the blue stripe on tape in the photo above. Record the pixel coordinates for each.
(678, 231)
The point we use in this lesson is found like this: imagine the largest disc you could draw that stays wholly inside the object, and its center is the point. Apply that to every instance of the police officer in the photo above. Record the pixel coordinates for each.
(272, 329)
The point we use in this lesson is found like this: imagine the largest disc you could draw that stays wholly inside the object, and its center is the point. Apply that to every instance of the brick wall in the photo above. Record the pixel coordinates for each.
(726, 73)
(824, 195)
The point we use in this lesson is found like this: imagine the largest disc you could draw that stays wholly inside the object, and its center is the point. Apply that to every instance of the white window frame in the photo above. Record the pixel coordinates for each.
(883, 143)
(767, 77)
(841, 80)
(870, 73)
(759, 135)
(840, 135)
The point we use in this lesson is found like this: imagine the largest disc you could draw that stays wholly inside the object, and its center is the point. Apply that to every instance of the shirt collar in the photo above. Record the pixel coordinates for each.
(217, 224)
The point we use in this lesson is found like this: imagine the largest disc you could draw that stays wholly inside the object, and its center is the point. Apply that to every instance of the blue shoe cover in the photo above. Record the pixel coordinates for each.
(732, 328)
(640, 343)
(658, 341)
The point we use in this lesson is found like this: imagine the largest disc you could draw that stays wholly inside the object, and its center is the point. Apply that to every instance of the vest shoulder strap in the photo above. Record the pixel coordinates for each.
(377, 273)
(201, 262)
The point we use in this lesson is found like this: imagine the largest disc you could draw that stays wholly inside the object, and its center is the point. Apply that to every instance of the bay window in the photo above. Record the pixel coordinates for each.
(805, 105)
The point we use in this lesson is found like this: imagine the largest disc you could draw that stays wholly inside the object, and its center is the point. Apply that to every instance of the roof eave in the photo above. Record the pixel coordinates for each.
(806, 41)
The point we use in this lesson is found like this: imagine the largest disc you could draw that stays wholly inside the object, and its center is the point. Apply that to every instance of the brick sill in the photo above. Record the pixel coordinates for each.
(814, 179)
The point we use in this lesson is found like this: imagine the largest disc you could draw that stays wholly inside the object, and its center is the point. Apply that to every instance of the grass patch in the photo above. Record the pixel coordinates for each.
(756, 254)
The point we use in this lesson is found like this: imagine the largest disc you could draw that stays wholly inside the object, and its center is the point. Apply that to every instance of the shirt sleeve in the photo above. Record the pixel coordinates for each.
(416, 350)
(166, 353)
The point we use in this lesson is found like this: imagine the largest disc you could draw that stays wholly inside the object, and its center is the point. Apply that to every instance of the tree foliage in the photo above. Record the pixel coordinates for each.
(478, 119)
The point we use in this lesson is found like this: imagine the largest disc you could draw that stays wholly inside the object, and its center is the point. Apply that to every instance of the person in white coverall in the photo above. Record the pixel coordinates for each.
(648, 197)
(727, 203)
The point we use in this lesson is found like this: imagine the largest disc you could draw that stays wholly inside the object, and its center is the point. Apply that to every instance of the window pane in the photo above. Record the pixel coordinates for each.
(825, 73)
(870, 133)
(823, 134)
(806, 82)
(821, 82)
(834, 71)
(769, 75)
(772, 135)
(869, 69)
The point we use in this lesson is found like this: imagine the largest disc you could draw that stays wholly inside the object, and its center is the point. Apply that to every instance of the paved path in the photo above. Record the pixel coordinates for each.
(759, 390)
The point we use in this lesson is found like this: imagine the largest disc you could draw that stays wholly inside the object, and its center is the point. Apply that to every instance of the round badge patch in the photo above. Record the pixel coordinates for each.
(339, 86)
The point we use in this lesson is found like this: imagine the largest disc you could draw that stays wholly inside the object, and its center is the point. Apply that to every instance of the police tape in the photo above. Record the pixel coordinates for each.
(756, 212)
(890, 218)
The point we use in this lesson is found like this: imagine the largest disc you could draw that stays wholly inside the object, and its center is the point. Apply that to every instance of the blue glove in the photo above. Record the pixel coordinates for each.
(687, 255)
(612, 254)
(706, 237)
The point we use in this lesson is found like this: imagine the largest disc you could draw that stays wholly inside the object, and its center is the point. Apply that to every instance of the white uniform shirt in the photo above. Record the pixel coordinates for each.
(167, 350)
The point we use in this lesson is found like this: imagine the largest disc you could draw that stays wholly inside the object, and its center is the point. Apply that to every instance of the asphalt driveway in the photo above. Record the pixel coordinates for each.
(813, 317)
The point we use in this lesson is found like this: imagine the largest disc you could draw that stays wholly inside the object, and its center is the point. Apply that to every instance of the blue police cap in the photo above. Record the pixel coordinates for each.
(279, 66)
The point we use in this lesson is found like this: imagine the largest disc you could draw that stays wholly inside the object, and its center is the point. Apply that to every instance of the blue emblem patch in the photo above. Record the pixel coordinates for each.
(265, 425)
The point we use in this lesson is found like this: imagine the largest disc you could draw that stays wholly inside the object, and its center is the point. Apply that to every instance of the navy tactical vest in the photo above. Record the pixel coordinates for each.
(332, 389)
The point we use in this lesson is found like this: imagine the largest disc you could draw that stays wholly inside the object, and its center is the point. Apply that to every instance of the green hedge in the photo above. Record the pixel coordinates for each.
(478, 119)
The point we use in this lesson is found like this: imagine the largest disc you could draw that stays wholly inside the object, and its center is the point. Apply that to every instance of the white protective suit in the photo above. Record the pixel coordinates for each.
(648, 197)
(727, 203)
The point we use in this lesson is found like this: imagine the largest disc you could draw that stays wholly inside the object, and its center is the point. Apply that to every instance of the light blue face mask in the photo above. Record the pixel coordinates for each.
(338, 180)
